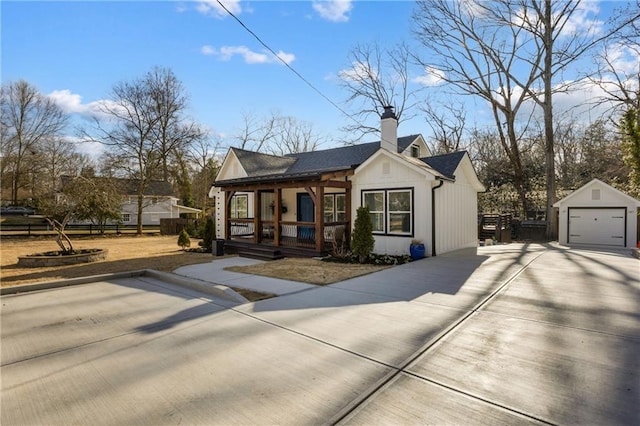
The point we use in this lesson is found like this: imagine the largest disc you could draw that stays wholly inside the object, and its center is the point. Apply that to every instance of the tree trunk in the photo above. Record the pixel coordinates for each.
(550, 166)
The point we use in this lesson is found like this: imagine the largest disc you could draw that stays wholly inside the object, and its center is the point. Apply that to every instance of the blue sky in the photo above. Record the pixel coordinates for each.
(76, 51)
(81, 49)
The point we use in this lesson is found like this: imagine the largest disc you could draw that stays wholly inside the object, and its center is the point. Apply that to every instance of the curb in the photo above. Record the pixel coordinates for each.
(216, 290)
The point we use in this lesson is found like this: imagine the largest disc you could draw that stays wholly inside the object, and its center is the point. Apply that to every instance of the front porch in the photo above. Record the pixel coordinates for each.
(296, 238)
(308, 216)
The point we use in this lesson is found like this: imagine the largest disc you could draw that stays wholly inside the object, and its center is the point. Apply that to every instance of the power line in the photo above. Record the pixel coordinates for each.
(318, 91)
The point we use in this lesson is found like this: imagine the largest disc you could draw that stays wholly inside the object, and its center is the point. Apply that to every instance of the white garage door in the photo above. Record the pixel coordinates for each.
(597, 226)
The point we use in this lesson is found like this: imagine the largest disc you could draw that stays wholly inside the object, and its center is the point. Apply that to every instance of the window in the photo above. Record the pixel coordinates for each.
(399, 212)
(375, 201)
(334, 208)
(240, 206)
(126, 217)
(391, 210)
(415, 151)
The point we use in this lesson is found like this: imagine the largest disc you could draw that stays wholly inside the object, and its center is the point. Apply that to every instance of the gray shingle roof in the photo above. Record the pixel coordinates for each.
(258, 164)
(446, 163)
(309, 164)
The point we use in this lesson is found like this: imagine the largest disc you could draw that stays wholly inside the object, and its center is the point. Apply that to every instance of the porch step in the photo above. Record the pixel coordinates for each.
(260, 253)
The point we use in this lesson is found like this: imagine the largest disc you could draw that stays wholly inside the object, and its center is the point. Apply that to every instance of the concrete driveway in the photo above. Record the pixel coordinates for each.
(515, 334)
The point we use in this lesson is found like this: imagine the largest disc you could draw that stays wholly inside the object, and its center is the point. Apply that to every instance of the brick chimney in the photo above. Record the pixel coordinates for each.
(389, 130)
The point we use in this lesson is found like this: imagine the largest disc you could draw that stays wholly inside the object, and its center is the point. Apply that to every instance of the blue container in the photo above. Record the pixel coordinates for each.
(417, 251)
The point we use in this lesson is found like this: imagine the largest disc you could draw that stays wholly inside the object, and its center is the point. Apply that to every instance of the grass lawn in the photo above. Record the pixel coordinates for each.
(130, 253)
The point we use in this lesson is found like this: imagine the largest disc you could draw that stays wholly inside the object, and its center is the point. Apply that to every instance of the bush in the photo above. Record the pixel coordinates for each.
(183, 239)
(362, 239)
(372, 258)
(208, 235)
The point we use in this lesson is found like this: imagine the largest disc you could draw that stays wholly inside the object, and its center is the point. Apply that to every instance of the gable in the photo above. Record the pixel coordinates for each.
(231, 167)
(385, 165)
(405, 146)
(597, 193)
(466, 173)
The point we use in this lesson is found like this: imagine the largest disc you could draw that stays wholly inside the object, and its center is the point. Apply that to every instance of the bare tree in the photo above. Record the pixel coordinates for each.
(256, 133)
(174, 132)
(619, 77)
(57, 157)
(618, 73)
(447, 122)
(277, 134)
(27, 119)
(477, 56)
(204, 157)
(129, 134)
(508, 52)
(377, 78)
(293, 136)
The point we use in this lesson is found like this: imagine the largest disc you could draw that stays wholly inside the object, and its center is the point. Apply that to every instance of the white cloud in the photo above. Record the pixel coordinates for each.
(208, 50)
(623, 59)
(92, 149)
(71, 103)
(213, 8)
(431, 77)
(225, 53)
(359, 71)
(583, 19)
(333, 10)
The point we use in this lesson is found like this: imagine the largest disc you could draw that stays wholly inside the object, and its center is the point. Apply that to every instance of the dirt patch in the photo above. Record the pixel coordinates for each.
(312, 271)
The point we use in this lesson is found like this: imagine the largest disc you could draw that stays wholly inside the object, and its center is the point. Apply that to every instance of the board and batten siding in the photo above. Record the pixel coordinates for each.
(456, 216)
(387, 173)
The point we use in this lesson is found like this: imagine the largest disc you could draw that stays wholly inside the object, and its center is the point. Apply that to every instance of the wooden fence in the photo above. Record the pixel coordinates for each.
(29, 230)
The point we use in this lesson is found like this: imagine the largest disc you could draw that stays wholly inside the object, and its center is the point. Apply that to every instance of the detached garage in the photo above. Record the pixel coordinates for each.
(598, 215)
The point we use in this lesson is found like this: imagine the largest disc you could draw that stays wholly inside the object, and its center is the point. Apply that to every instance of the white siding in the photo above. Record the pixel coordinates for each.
(456, 216)
(389, 173)
(152, 211)
(597, 194)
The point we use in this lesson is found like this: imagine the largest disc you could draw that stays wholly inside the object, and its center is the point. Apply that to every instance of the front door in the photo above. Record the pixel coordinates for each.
(306, 213)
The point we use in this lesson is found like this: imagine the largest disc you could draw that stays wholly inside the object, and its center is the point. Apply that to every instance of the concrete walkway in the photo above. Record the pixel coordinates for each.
(214, 273)
(517, 334)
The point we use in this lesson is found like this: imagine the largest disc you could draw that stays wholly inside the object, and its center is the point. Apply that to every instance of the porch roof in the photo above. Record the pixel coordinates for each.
(316, 175)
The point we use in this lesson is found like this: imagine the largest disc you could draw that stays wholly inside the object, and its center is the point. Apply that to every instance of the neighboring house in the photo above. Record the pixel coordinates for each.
(597, 214)
(304, 203)
(158, 203)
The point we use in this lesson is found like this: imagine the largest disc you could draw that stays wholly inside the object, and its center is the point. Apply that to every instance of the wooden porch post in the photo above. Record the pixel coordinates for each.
(277, 216)
(319, 218)
(257, 227)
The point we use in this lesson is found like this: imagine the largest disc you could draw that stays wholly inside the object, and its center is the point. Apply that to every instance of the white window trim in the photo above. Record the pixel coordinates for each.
(334, 207)
(233, 208)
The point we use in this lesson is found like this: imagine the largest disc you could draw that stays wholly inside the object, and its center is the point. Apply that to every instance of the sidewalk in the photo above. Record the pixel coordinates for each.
(214, 272)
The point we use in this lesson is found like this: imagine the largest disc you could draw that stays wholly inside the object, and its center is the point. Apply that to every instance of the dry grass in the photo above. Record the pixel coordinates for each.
(312, 271)
(130, 253)
(126, 253)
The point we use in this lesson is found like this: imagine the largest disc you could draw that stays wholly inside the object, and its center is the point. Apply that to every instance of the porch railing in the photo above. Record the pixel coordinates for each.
(292, 234)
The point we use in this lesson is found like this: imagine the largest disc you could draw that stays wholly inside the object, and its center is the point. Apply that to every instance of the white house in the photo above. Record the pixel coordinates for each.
(598, 215)
(158, 203)
(306, 202)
